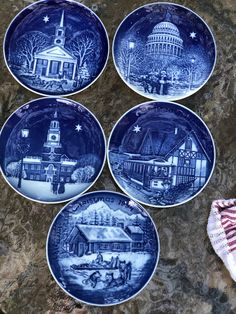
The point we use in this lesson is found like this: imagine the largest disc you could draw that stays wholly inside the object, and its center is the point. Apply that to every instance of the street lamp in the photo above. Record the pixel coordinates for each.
(24, 133)
(192, 60)
(23, 147)
(131, 46)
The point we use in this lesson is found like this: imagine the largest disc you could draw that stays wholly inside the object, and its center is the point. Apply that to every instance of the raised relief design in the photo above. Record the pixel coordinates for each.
(102, 248)
(59, 51)
(164, 51)
(164, 156)
(49, 154)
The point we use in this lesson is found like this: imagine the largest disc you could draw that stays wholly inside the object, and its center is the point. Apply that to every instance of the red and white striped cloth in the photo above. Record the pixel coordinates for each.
(221, 230)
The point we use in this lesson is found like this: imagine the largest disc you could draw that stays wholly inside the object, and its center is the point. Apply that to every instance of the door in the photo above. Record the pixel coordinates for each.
(81, 249)
(54, 69)
(50, 171)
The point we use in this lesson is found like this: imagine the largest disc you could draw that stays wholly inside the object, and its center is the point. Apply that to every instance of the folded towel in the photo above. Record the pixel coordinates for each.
(221, 229)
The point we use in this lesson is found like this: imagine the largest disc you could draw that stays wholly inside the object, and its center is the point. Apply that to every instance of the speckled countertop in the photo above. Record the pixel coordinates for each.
(190, 278)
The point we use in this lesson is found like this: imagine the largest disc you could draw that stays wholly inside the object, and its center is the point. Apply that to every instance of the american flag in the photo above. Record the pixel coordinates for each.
(221, 229)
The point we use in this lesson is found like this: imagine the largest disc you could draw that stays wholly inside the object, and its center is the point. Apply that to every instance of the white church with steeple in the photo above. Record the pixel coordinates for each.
(55, 61)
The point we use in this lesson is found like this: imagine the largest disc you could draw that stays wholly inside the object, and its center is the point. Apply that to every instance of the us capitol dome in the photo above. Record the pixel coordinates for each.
(165, 40)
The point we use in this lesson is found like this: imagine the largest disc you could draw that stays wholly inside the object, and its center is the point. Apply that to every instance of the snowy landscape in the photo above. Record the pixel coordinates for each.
(102, 247)
(79, 280)
(42, 191)
(55, 56)
(52, 154)
(164, 55)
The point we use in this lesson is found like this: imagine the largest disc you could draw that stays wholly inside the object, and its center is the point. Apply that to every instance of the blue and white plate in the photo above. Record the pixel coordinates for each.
(51, 150)
(56, 47)
(164, 51)
(161, 154)
(102, 248)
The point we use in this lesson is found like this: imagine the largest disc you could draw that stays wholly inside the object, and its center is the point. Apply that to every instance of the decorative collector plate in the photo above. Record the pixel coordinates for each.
(102, 248)
(161, 154)
(164, 51)
(56, 47)
(51, 150)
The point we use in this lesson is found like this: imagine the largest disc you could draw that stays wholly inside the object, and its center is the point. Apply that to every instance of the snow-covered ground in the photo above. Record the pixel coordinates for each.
(41, 190)
(179, 91)
(78, 277)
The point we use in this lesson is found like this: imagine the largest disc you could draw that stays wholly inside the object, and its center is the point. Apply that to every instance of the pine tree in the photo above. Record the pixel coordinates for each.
(102, 221)
(107, 221)
(83, 71)
(114, 221)
(136, 221)
(146, 230)
(96, 218)
(83, 219)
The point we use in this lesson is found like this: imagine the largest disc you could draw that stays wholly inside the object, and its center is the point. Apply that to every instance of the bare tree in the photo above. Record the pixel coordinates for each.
(29, 44)
(83, 46)
(134, 56)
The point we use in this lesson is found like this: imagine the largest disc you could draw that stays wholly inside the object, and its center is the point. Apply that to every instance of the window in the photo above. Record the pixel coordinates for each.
(45, 62)
(105, 245)
(187, 162)
(117, 246)
(59, 33)
(71, 66)
(188, 143)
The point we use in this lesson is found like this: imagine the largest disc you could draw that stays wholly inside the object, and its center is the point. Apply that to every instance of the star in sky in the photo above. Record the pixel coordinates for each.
(137, 129)
(46, 19)
(78, 127)
(192, 35)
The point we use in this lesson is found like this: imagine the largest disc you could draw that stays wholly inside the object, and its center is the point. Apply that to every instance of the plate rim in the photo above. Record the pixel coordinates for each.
(153, 205)
(56, 95)
(100, 171)
(139, 206)
(171, 99)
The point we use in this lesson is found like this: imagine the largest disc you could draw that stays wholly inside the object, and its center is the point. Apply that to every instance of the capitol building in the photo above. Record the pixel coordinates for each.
(164, 40)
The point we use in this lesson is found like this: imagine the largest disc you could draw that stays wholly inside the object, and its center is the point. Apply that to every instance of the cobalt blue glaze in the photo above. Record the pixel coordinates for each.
(51, 150)
(164, 51)
(161, 154)
(102, 248)
(56, 47)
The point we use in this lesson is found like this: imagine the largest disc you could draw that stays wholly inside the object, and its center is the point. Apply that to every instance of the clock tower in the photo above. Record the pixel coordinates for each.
(54, 134)
(52, 148)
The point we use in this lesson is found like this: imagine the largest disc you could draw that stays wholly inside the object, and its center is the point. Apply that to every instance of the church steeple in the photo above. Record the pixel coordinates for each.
(62, 19)
(60, 32)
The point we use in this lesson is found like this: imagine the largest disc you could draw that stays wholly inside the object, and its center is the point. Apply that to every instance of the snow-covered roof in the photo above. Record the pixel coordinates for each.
(32, 160)
(135, 229)
(68, 163)
(102, 233)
